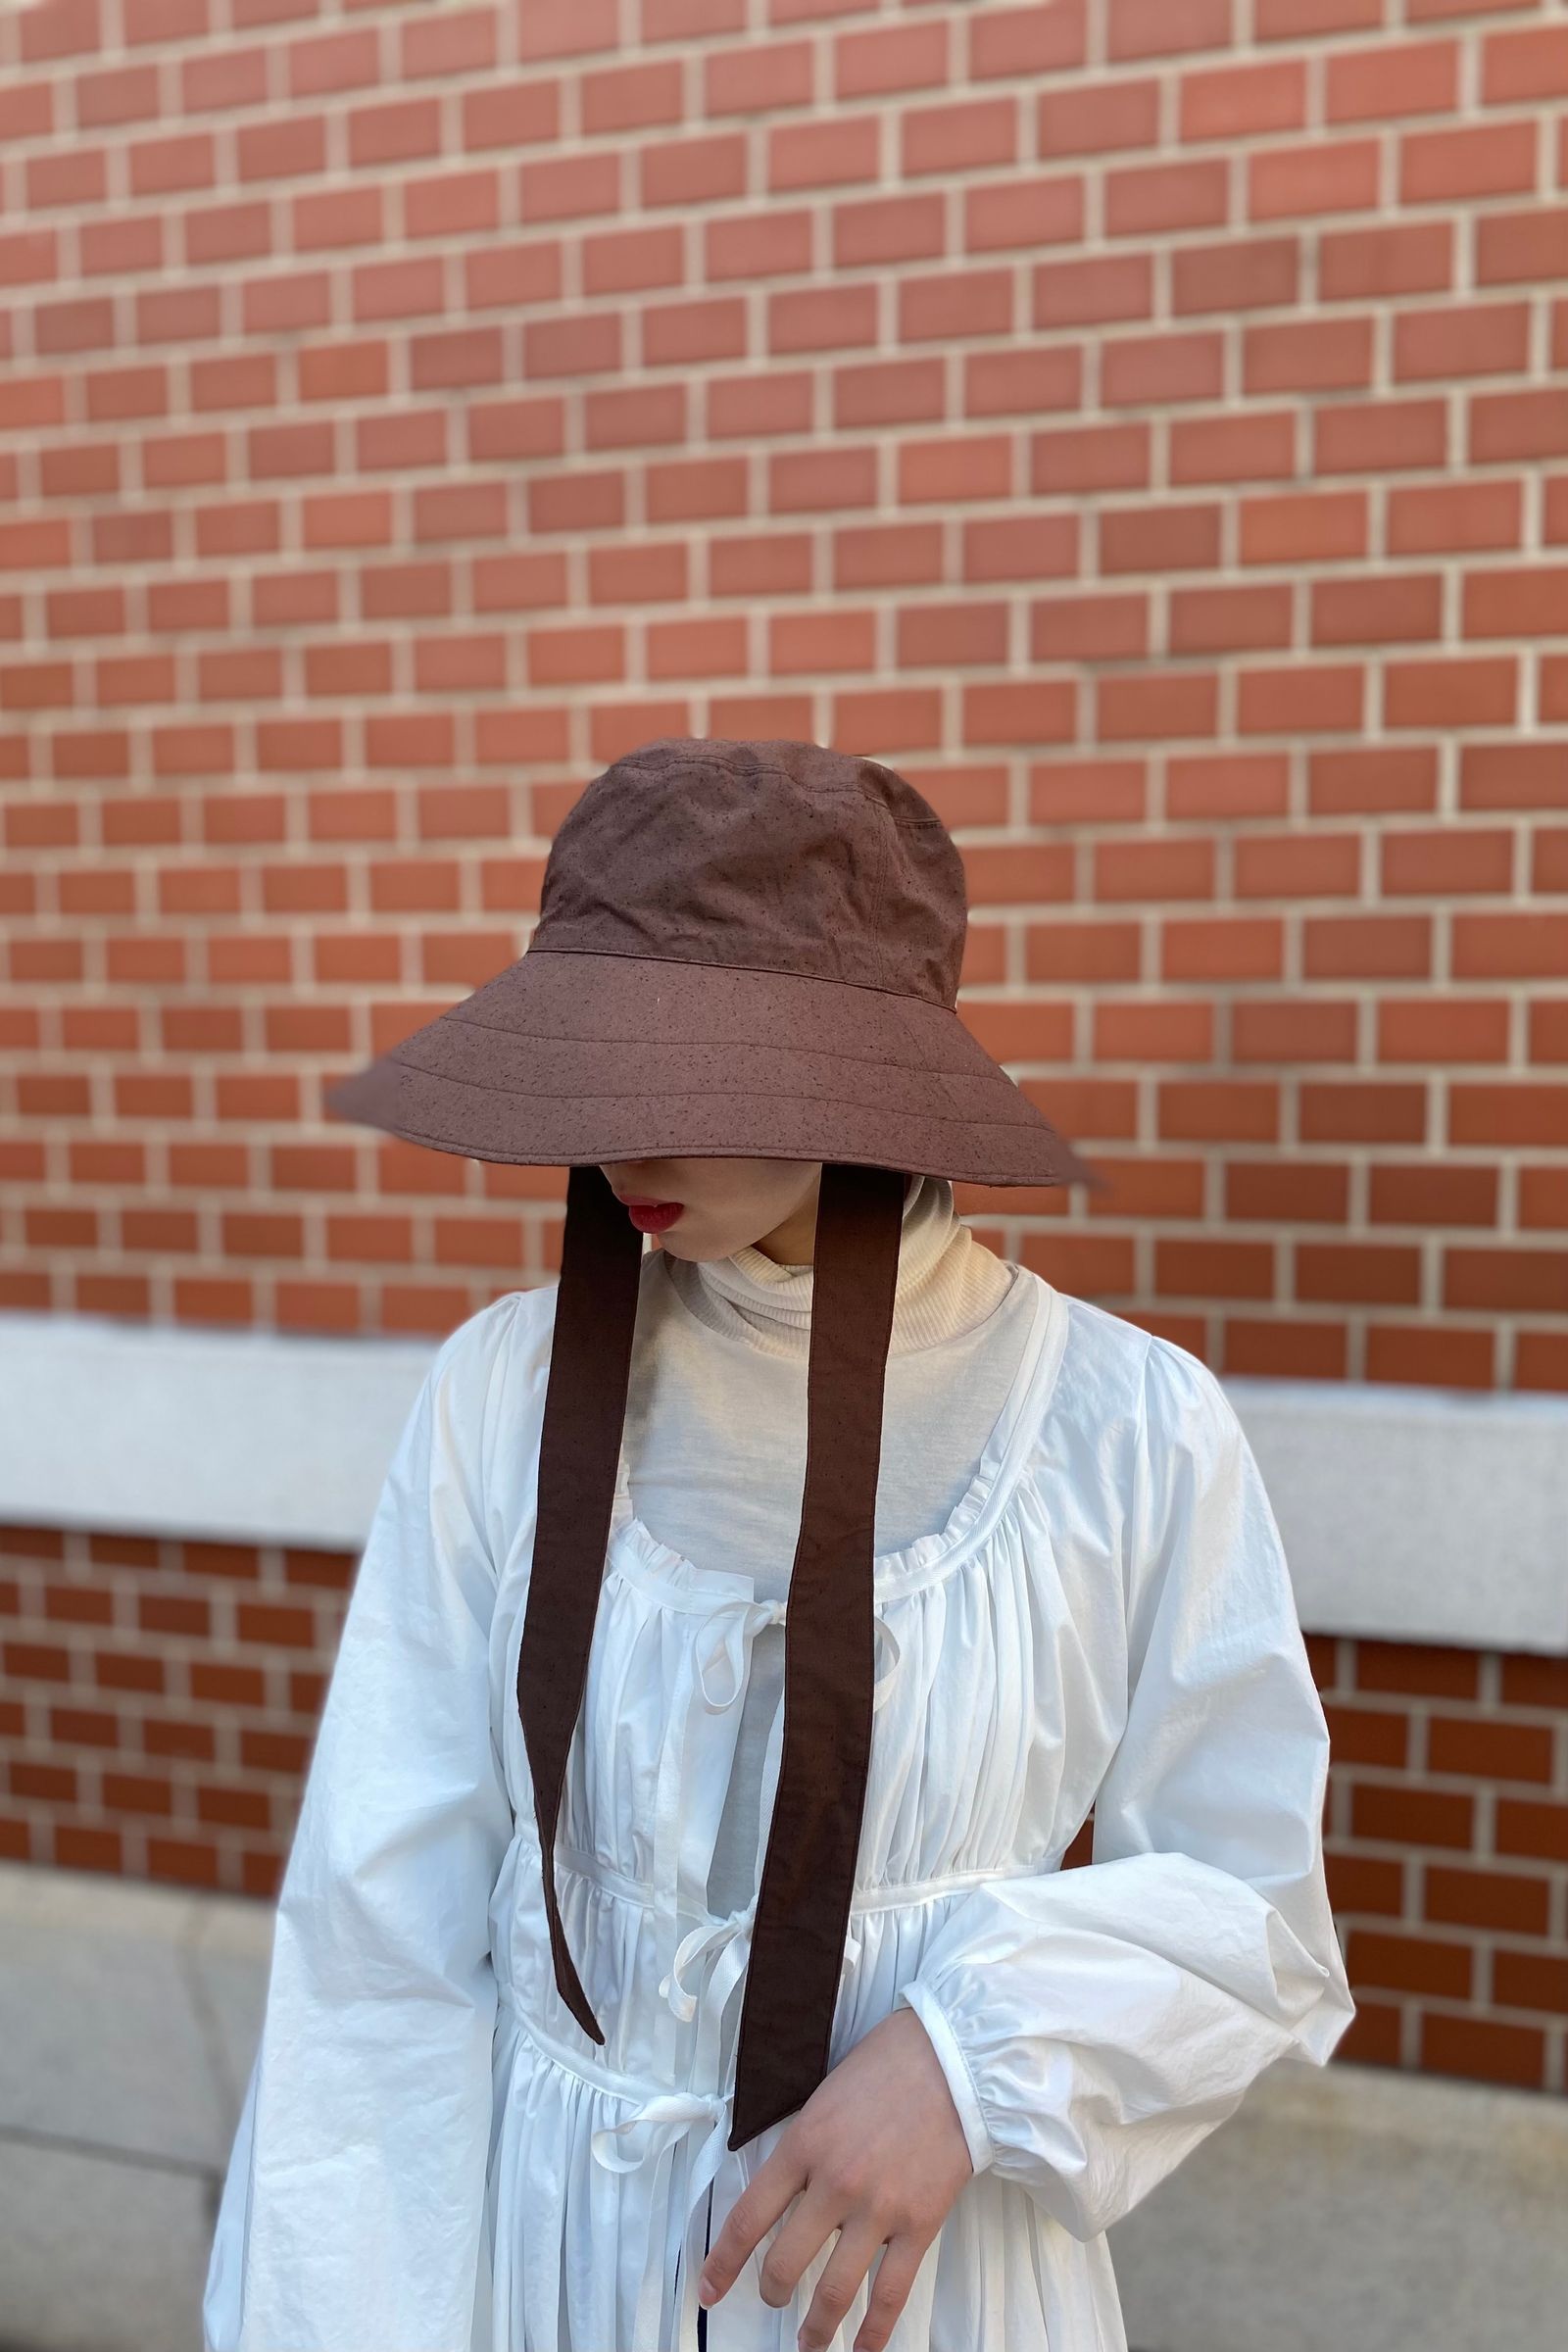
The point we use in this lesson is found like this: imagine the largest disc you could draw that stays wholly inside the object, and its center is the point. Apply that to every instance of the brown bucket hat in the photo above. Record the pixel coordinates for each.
(750, 949)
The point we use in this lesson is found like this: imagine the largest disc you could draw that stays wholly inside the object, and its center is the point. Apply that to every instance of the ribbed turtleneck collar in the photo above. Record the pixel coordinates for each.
(947, 1283)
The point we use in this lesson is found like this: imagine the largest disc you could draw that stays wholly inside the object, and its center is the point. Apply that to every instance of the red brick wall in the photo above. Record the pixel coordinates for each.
(158, 1702)
(1146, 423)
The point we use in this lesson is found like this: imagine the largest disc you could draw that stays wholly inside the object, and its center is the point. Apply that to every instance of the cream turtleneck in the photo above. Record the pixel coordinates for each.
(715, 1428)
(947, 1283)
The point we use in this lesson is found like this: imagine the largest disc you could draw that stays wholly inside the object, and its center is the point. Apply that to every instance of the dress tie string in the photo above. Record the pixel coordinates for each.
(659, 2123)
(748, 1618)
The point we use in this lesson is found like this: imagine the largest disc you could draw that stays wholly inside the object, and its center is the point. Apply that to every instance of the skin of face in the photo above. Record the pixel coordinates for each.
(729, 1204)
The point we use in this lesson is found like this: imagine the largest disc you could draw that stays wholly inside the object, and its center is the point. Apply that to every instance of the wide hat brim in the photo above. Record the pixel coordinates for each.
(568, 1058)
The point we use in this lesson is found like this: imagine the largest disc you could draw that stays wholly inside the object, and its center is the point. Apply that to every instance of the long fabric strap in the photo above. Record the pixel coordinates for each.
(579, 1454)
(808, 1879)
(807, 1876)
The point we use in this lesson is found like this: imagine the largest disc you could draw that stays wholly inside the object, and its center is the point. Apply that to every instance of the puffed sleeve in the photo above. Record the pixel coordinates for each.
(351, 2218)
(1095, 2024)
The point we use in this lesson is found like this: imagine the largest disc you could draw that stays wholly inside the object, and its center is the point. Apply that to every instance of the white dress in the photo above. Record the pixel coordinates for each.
(434, 2157)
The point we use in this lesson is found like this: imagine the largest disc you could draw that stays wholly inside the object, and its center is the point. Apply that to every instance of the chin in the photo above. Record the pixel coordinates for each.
(668, 1244)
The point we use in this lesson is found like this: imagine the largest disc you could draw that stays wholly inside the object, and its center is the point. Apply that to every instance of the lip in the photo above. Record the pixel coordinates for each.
(652, 1216)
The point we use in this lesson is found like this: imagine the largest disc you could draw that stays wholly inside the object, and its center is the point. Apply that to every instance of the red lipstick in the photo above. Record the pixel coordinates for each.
(654, 1216)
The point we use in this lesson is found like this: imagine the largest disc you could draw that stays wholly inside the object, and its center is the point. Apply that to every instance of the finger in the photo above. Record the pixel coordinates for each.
(857, 2248)
(799, 2244)
(891, 2292)
(764, 2197)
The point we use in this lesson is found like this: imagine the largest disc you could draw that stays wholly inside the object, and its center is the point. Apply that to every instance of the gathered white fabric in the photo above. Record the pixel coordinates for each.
(715, 1431)
(433, 2156)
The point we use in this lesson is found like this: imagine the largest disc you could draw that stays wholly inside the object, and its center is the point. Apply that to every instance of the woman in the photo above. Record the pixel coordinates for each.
(674, 1947)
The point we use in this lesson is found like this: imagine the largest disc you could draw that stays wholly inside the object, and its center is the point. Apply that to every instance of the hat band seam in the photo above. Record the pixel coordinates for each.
(703, 964)
(738, 1045)
(520, 1094)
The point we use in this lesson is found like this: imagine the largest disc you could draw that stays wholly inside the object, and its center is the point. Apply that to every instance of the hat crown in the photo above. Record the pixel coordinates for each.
(776, 855)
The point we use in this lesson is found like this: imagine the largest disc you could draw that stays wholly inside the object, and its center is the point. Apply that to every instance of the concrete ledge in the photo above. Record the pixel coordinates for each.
(1344, 2206)
(1408, 1514)
(1354, 2206)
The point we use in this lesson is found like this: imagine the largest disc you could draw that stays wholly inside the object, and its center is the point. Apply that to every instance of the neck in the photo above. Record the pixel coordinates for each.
(946, 1281)
(794, 1243)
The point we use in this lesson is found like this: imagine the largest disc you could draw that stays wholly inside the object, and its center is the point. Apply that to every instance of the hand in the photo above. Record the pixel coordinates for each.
(877, 2153)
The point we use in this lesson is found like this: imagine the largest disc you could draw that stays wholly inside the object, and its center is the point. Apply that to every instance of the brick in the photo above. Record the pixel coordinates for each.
(1246, 101)
(954, 468)
(1322, 1030)
(1520, 65)
(1530, 1981)
(1092, 628)
(1307, 355)
(1154, 1032)
(1018, 1033)
(1399, 257)
(889, 60)
(1450, 693)
(1204, 1110)
(1338, 175)
(1015, 213)
(693, 171)
(1298, 865)
(1382, 610)
(1455, 859)
(1405, 77)
(1530, 602)
(1082, 950)
(1010, 41)
(1529, 1828)
(878, 230)
(1153, 198)
(1305, 697)
(828, 154)
(563, 27)
(1481, 2048)
(1089, 117)
(1221, 947)
(1213, 1269)
(1294, 19)
(1510, 947)
(1305, 1196)
(1091, 291)
(1167, 27)
(1439, 1030)
(1159, 538)
(1489, 159)
(1366, 1884)
(822, 318)
(1043, 712)
(1304, 527)
(1156, 707)
(1462, 339)
(1521, 248)
(1477, 1749)
(1530, 1680)
(1232, 449)
(1383, 436)
(1182, 868)
(1454, 518)
(1416, 1816)
(967, 633)
(1410, 1964)
(972, 134)
(1115, 457)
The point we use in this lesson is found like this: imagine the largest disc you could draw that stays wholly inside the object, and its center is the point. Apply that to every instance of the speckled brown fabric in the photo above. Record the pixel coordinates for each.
(745, 949)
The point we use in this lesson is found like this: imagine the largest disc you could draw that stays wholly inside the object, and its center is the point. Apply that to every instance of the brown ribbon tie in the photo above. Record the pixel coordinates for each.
(807, 1877)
